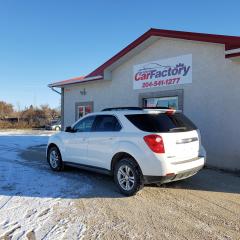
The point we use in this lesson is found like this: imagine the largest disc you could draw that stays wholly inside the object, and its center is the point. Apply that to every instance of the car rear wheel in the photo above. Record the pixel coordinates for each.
(55, 159)
(57, 128)
(128, 176)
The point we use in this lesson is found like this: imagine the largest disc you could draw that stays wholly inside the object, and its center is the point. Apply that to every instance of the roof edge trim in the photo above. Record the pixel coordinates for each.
(74, 81)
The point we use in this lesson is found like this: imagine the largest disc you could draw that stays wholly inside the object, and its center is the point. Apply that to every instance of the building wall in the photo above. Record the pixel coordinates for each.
(211, 101)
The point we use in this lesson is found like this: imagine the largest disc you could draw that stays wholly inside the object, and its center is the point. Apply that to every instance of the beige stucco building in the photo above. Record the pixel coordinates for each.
(147, 73)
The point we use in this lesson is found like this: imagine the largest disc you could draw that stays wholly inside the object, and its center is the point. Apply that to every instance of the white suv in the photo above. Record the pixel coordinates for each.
(137, 146)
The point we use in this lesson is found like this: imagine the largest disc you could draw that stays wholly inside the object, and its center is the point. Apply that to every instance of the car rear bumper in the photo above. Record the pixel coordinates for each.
(172, 177)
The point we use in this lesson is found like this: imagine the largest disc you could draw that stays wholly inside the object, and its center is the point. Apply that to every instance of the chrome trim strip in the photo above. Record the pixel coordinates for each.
(186, 140)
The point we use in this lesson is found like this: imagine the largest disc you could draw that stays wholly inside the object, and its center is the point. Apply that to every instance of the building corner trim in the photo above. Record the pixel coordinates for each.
(62, 109)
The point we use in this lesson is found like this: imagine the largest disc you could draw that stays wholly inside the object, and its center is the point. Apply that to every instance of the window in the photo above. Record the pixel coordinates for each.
(83, 110)
(107, 123)
(170, 102)
(84, 125)
(161, 122)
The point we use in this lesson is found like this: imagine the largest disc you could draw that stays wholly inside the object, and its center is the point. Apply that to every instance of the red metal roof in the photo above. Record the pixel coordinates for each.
(75, 80)
(68, 81)
(230, 42)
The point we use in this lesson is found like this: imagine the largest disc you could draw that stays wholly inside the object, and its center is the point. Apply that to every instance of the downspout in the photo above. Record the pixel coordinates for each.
(55, 90)
(62, 105)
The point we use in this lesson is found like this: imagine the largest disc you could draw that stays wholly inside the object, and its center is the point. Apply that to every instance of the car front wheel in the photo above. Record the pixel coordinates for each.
(128, 176)
(54, 159)
(57, 128)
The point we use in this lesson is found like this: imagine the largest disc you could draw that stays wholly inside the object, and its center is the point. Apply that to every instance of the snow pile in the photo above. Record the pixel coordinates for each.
(36, 203)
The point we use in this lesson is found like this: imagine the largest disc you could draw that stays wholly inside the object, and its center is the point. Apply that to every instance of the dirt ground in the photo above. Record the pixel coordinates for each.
(206, 206)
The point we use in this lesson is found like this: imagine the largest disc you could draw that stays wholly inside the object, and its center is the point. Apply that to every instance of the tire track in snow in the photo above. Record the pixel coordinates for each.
(5, 202)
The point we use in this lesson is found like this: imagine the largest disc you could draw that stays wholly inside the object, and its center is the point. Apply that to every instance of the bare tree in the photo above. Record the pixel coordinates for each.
(6, 109)
(31, 116)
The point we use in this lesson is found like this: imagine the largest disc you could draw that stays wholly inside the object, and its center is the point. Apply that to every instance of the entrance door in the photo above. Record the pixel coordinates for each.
(169, 102)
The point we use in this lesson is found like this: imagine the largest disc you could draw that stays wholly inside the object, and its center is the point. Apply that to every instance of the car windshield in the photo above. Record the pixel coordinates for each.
(161, 122)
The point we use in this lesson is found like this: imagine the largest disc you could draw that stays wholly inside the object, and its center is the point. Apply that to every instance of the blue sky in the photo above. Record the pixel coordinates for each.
(51, 40)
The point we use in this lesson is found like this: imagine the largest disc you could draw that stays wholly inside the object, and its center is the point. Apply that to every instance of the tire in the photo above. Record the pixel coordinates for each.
(55, 159)
(128, 176)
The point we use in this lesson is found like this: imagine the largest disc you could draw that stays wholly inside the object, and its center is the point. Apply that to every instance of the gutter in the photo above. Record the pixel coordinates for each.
(54, 90)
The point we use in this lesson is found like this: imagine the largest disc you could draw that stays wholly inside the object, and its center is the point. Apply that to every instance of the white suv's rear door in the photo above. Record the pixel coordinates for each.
(102, 140)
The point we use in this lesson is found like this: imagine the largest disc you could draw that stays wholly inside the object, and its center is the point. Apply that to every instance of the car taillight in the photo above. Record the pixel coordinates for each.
(170, 112)
(155, 143)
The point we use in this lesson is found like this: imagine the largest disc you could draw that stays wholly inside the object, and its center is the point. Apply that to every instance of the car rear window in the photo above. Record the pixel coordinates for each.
(161, 122)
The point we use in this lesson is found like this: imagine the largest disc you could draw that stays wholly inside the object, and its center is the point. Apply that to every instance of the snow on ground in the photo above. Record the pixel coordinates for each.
(36, 203)
(25, 132)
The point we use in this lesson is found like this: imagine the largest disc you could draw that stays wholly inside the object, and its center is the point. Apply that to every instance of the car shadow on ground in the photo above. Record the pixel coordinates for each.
(37, 180)
(208, 179)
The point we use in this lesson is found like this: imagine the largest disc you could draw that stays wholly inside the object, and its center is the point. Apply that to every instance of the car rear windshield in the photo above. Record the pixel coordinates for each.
(161, 122)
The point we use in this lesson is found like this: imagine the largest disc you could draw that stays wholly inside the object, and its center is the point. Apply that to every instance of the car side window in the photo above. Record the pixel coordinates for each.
(107, 123)
(84, 125)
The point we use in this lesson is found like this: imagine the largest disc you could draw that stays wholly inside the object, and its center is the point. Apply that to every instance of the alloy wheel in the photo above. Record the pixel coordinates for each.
(54, 159)
(125, 177)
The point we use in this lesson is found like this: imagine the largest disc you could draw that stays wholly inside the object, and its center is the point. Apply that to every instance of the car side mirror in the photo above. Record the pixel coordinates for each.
(69, 129)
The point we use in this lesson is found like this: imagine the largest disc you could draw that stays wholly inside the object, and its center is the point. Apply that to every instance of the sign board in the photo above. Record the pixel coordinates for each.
(164, 72)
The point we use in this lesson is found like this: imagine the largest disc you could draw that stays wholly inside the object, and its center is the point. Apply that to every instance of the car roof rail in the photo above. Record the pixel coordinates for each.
(156, 108)
(122, 109)
(163, 109)
(136, 108)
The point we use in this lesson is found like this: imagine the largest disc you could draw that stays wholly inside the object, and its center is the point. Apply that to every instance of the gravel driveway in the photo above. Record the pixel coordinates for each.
(36, 203)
